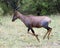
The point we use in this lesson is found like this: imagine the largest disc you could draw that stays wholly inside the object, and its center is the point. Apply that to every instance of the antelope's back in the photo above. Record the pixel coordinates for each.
(40, 18)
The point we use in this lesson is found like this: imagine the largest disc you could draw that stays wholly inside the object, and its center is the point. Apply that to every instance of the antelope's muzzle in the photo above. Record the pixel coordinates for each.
(13, 20)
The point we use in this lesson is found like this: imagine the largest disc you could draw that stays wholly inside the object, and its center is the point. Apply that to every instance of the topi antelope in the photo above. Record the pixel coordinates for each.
(31, 21)
(34, 21)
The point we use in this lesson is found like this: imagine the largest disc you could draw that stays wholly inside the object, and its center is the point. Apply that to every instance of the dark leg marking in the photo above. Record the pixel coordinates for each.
(33, 31)
(28, 30)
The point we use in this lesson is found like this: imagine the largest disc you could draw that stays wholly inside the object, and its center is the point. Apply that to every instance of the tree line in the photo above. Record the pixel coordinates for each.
(38, 7)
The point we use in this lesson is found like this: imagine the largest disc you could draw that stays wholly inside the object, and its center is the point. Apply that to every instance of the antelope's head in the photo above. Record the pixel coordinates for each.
(15, 7)
(15, 16)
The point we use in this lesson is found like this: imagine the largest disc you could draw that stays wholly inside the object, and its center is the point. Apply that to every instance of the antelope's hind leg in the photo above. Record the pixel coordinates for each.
(45, 25)
(48, 32)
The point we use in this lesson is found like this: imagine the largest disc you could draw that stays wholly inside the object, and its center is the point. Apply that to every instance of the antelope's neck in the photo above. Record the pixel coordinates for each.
(21, 17)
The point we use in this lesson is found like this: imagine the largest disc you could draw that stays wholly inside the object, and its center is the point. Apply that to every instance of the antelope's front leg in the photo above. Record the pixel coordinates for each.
(35, 34)
(28, 30)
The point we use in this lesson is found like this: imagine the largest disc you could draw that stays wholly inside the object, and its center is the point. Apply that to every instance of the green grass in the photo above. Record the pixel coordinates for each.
(14, 34)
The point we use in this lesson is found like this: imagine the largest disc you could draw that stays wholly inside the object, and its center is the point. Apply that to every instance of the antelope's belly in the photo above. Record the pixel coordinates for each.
(37, 25)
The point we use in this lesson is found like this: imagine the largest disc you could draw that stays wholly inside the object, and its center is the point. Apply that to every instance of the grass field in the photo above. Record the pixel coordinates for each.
(14, 34)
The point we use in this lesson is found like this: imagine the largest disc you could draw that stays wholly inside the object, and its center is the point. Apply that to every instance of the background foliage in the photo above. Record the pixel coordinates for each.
(43, 7)
(14, 34)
